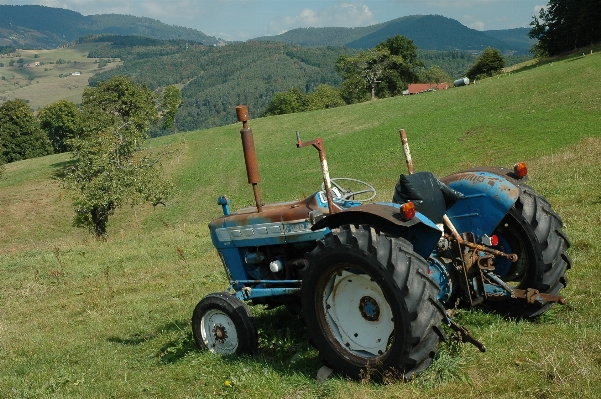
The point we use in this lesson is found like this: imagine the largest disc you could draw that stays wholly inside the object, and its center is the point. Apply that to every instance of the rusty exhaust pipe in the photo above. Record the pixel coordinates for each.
(250, 156)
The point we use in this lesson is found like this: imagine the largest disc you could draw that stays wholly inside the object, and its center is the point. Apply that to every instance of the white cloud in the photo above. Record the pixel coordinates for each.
(478, 25)
(343, 14)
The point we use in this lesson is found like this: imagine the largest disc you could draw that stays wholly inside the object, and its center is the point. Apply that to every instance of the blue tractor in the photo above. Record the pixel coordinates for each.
(374, 281)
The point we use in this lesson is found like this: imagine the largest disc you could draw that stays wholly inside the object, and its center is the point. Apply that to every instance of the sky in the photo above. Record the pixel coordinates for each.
(247, 19)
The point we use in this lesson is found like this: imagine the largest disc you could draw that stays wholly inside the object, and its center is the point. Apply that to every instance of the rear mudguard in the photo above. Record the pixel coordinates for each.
(488, 194)
(384, 216)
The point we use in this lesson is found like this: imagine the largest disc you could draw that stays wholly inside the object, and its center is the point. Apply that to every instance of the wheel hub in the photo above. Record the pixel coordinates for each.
(369, 308)
(220, 333)
(358, 314)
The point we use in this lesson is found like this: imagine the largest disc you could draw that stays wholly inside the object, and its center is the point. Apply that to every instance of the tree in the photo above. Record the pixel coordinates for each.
(383, 71)
(286, 102)
(62, 122)
(323, 97)
(172, 100)
(435, 74)
(565, 25)
(20, 133)
(111, 169)
(488, 63)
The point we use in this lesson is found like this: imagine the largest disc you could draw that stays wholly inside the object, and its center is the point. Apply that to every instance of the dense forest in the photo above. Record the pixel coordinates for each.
(218, 78)
(214, 79)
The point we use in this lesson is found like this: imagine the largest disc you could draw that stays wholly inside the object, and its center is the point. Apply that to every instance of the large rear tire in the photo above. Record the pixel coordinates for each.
(534, 232)
(370, 306)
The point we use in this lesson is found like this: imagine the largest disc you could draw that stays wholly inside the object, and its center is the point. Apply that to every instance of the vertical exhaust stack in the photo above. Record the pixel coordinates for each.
(250, 156)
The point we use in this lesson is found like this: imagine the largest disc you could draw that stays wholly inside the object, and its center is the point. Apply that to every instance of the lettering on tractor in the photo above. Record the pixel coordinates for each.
(374, 282)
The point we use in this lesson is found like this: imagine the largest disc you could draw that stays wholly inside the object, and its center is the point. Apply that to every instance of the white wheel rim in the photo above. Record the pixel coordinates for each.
(219, 332)
(358, 314)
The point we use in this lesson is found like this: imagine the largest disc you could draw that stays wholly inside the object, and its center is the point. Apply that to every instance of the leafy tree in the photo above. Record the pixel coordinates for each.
(171, 101)
(62, 121)
(565, 25)
(20, 132)
(111, 169)
(435, 74)
(488, 63)
(323, 97)
(384, 70)
(286, 102)
(11, 63)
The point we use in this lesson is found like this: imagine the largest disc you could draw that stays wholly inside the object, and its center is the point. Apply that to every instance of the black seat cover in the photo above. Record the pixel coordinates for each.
(431, 197)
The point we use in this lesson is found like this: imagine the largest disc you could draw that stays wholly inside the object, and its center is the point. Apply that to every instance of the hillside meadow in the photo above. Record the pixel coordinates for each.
(82, 318)
(50, 81)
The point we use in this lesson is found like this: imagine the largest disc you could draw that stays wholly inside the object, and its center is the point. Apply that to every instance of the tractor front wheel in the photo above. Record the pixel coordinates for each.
(223, 324)
(370, 306)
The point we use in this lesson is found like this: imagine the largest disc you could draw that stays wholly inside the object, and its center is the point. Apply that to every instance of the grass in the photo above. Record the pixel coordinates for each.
(42, 85)
(80, 318)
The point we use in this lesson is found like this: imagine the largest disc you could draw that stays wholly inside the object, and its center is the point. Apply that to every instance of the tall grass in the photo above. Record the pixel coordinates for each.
(80, 318)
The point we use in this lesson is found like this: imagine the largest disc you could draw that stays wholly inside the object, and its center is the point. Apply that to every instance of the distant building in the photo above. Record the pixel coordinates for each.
(416, 88)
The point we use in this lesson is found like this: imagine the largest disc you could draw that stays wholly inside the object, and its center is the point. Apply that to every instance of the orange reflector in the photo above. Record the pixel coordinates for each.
(520, 169)
(408, 210)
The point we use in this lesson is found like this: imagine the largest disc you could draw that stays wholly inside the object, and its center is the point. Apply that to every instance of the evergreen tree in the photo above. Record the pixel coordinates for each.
(565, 25)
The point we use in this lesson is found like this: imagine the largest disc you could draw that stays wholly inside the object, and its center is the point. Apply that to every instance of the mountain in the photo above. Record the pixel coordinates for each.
(428, 32)
(516, 37)
(46, 27)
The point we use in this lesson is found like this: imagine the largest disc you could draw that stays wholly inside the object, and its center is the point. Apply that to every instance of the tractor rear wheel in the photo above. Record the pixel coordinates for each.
(223, 324)
(370, 306)
(534, 232)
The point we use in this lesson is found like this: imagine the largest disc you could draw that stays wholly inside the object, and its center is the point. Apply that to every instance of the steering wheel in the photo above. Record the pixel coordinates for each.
(350, 188)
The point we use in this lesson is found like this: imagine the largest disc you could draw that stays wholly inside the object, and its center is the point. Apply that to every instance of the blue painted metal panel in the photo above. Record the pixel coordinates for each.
(487, 199)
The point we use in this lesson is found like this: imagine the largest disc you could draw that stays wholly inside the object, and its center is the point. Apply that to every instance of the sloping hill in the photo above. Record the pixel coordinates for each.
(87, 319)
(47, 27)
(429, 32)
(432, 32)
(515, 37)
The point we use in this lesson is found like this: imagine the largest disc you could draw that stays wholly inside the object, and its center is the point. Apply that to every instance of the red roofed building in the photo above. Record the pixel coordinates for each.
(415, 88)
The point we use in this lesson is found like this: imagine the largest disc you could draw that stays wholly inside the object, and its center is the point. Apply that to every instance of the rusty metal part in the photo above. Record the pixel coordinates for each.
(219, 333)
(532, 295)
(483, 248)
(250, 155)
(406, 150)
(318, 144)
(465, 335)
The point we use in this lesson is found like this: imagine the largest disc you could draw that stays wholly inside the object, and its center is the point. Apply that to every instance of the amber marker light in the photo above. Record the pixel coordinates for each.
(520, 169)
(408, 210)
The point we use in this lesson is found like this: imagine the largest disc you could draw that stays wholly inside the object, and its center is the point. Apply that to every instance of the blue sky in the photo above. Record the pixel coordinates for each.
(246, 19)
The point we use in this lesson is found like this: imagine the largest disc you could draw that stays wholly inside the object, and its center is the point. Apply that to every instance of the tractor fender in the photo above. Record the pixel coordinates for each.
(386, 217)
(488, 194)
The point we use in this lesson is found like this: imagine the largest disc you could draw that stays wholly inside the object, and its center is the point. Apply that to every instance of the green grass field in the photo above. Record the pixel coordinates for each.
(81, 318)
(42, 85)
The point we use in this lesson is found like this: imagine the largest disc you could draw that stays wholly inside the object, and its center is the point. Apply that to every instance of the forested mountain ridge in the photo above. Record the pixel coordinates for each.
(431, 32)
(216, 78)
(46, 27)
